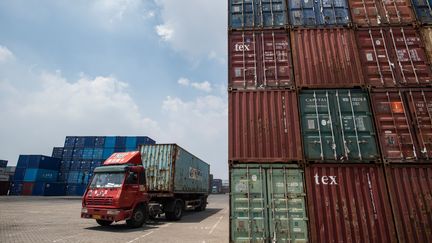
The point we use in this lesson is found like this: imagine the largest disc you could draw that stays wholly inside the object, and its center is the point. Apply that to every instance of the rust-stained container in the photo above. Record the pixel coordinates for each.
(326, 58)
(426, 33)
(410, 189)
(404, 124)
(264, 126)
(260, 59)
(393, 57)
(367, 13)
(348, 203)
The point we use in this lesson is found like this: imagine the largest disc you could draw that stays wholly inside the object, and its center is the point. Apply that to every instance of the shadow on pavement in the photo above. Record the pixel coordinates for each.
(120, 227)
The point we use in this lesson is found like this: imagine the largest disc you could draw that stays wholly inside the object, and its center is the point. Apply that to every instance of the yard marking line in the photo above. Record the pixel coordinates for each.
(142, 236)
(214, 226)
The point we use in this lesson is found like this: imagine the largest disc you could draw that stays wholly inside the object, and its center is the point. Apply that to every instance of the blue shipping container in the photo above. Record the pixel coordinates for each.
(99, 142)
(423, 10)
(89, 141)
(43, 162)
(38, 189)
(131, 141)
(40, 175)
(319, 13)
(144, 140)
(77, 153)
(246, 14)
(98, 153)
(55, 189)
(75, 189)
(75, 165)
(110, 142)
(68, 153)
(3, 163)
(107, 153)
(120, 141)
(87, 153)
(23, 161)
(69, 142)
(57, 152)
(19, 174)
(16, 188)
(63, 176)
(79, 142)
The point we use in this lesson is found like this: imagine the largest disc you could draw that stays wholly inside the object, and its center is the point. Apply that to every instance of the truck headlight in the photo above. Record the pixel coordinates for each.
(83, 210)
(113, 212)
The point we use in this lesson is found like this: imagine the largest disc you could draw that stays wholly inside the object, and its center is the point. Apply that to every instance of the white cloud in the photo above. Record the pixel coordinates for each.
(165, 32)
(197, 28)
(5, 54)
(203, 86)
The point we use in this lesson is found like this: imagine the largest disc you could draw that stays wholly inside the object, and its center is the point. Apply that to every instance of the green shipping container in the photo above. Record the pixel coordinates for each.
(337, 125)
(170, 168)
(267, 203)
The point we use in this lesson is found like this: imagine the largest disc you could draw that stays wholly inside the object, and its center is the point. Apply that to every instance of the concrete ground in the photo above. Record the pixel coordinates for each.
(57, 219)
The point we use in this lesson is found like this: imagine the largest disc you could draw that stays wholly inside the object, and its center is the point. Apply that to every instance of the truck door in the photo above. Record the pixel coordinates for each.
(131, 188)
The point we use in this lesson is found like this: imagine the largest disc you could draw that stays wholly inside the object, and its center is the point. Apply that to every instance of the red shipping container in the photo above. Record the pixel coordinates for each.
(410, 189)
(264, 126)
(27, 188)
(348, 203)
(382, 12)
(259, 59)
(393, 57)
(326, 58)
(404, 124)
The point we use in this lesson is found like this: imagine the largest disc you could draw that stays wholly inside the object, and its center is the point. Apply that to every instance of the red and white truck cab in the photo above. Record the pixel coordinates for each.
(117, 191)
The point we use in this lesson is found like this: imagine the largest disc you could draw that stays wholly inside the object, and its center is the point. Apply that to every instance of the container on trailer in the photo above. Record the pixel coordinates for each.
(4, 187)
(99, 142)
(27, 188)
(69, 142)
(264, 126)
(267, 203)
(57, 152)
(326, 58)
(393, 57)
(348, 203)
(410, 194)
(110, 142)
(55, 189)
(170, 168)
(372, 13)
(323, 13)
(260, 59)
(246, 14)
(422, 8)
(337, 125)
(40, 175)
(3, 163)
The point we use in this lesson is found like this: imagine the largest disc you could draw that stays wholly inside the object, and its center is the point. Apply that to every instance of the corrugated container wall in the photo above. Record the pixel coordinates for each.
(267, 203)
(368, 13)
(263, 126)
(426, 34)
(404, 124)
(319, 13)
(348, 203)
(247, 14)
(326, 58)
(260, 59)
(393, 57)
(423, 12)
(337, 125)
(170, 168)
(410, 189)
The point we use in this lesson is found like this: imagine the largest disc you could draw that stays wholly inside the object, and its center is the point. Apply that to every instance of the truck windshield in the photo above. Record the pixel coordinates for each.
(107, 180)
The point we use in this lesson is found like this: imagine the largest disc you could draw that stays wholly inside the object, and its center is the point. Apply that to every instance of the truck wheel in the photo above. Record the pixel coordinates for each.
(138, 217)
(104, 222)
(202, 206)
(177, 213)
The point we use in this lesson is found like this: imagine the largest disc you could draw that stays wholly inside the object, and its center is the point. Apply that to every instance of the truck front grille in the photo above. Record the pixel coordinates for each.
(99, 201)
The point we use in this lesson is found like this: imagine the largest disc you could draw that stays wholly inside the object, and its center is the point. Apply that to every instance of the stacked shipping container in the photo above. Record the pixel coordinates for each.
(4, 178)
(340, 94)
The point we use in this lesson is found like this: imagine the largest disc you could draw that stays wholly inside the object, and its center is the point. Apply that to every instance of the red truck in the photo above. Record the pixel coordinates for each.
(133, 186)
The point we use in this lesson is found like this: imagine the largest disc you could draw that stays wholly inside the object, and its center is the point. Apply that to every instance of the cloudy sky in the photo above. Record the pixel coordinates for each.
(114, 67)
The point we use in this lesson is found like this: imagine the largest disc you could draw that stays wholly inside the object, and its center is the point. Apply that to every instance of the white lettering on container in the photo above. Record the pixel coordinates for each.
(325, 180)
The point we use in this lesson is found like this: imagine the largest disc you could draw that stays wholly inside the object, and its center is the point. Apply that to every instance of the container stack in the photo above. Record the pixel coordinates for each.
(330, 112)
(81, 154)
(4, 178)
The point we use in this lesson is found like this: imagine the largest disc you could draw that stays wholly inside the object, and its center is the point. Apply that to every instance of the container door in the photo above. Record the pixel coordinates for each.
(272, 13)
(365, 12)
(320, 138)
(242, 13)
(397, 12)
(356, 125)
(248, 205)
(302, 13)
(423, 10)
(286, 203)
(333, 12)
(420, 104)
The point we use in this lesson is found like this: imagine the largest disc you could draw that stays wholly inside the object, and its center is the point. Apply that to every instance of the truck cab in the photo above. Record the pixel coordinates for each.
(117, 191)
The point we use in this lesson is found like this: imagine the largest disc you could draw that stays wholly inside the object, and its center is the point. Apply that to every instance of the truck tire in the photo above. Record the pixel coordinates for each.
(138, 218)
(177, 213)
(104, 222)
(202, 205)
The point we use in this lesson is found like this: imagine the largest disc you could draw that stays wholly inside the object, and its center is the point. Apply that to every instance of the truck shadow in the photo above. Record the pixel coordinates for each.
(120, 227)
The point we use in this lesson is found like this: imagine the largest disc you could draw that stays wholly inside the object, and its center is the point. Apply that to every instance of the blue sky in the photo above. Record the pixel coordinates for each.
(114, 67)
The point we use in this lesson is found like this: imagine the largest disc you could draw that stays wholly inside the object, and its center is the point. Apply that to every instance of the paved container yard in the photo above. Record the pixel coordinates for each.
(57, 219)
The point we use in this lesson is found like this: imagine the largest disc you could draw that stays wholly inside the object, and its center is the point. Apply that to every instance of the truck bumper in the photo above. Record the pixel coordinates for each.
(106, 214)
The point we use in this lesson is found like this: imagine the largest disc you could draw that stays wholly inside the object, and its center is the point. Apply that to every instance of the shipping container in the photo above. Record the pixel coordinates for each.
(423, 12)
(348, 203)
(68, 153)
(426, 34)
(38, 189)
(87, 153)
(4, 188)
(247, 14)
(3, 163)
(57, 152)
(337, 125)
(264, 126)
(99, 142)
(43, 162)
(27, 188)
(89, 141)
(79, 142)
(131, 142)
(393, 57)
(318, 13)
(16, 188)
(404, 124)
(260, 59)
(326, 58)
(78, 153)
(19, 174)
(69, 142)
(98, 153)
(372, 13)
(120, 142)
(75, 189)
(171, 169)
(107, 153)
(110, 142)
(23, 161)
(40, 175)
(267, 203)
(410, 189)
(55, 189)
(216, 186)
(144, 140)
